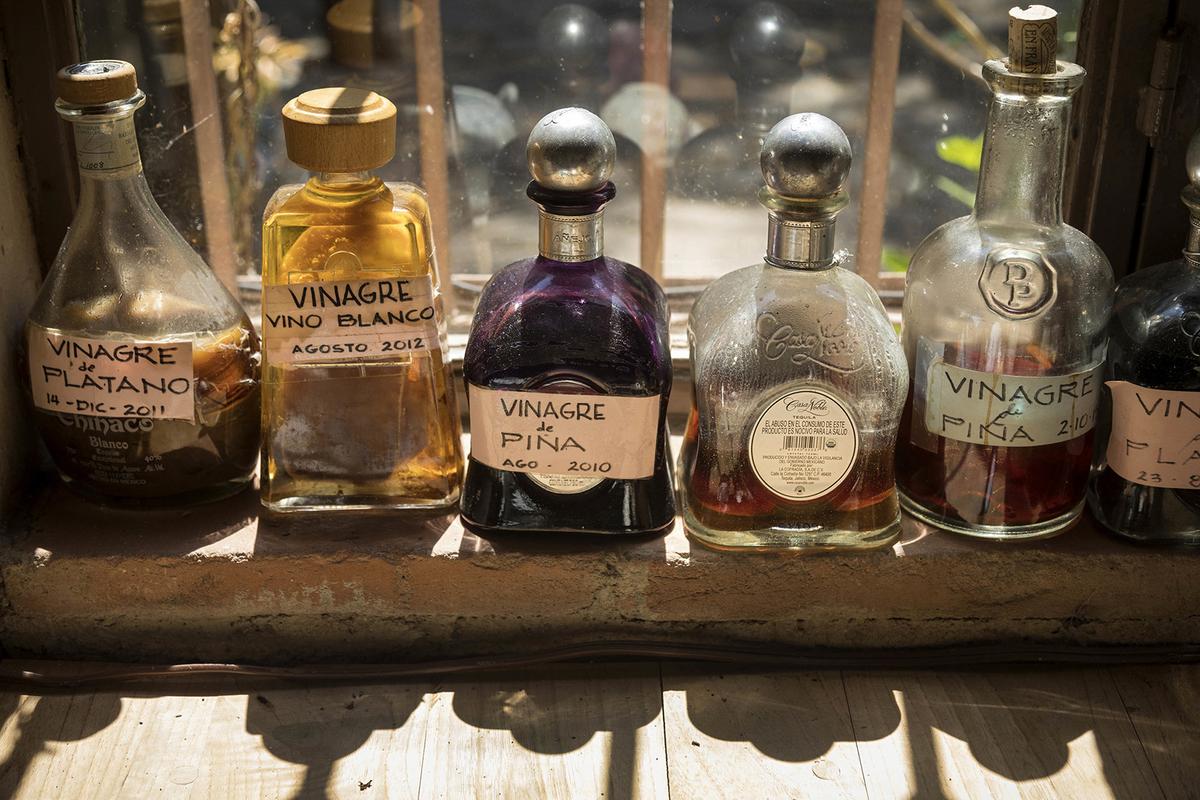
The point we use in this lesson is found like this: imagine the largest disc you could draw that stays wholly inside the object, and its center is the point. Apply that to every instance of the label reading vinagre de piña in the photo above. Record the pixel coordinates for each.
(566, 442)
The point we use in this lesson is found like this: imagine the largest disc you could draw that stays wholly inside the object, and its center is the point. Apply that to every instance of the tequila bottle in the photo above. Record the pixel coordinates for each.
(1005, 317)
(799, 379)
(358, 408)
(1146, 484)
(143, 368)
(568, 365)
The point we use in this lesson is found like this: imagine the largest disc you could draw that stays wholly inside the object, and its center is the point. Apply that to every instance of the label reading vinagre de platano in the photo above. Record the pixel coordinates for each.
(358, 320)
(803, 445)
(111, 377)
(1000, 410)
(566, 442)
(1155, 439)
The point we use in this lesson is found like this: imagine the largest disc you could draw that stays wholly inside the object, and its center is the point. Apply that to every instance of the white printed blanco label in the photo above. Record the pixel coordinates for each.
(1155, 439)
(803, 445)
(566, 442)
(358, 320)
(999, 410)
(107, 148)
(111, 377)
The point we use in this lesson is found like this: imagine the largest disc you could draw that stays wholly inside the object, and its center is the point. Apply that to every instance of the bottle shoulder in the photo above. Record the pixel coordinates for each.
(389, 201)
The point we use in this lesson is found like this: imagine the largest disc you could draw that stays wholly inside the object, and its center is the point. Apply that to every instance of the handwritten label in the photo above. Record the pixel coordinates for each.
(803, 445)
(1155, 439)
(589, 436)
(999, 410)
(120, 378)
(359, 320)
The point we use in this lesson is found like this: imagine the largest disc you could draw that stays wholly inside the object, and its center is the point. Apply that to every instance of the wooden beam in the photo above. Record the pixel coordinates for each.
(656, 69)
(210, 142)
(435, 170)
(881, 106)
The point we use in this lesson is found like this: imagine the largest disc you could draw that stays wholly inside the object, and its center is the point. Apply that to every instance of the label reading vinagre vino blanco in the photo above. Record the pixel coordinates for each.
(118, 378)
(565, 442)
(1000, 410)
(1155, 439)
(803, 445)
(358, 320)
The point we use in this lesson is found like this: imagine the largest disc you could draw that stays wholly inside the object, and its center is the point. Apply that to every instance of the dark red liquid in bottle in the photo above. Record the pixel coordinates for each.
(967, 485)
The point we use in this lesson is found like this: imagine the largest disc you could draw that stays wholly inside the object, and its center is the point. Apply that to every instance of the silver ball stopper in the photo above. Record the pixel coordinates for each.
(805, 156)
(571, 150)
(1193, 160)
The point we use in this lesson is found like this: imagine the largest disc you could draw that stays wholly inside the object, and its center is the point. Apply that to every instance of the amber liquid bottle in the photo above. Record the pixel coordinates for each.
(358, 408)
(143, 369)
(1005, 315)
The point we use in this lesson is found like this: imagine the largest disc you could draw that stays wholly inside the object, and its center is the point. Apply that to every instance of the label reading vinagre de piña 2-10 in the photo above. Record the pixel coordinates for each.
(123, 378)
(357, 320)
(547, 434)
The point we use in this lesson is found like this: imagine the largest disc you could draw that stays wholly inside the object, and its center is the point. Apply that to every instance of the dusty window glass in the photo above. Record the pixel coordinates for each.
(688, 88)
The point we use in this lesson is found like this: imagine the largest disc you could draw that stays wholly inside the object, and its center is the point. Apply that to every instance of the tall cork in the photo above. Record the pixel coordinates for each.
(1032, 39)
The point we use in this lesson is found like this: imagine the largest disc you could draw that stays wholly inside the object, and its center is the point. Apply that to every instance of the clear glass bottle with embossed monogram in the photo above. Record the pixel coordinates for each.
(1005, 317)
(358, 408)
(1146, 481)
(568, 365)
(799, 379)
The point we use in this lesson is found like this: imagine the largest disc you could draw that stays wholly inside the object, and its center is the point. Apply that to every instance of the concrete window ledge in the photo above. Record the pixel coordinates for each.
(218, 584)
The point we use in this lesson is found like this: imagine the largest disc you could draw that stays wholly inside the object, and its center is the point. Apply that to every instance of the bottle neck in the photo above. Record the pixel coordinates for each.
(800, 243)
(1024, 159)
(570, 238)
(106, 148)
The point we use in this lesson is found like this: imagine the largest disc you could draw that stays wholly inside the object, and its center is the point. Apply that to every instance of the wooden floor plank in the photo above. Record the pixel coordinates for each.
(222, 744)
(1164, 704)
(575, 731)
(758, 734)
(1011, 733)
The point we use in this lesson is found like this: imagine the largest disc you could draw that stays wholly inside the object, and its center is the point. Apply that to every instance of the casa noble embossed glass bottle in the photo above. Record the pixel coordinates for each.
(568, 365)
(1005, 315)
(143, 367)
(358, 408)
(799, 379)
(1146, 482)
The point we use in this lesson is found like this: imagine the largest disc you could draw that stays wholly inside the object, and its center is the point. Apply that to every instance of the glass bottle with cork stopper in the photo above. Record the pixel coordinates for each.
(143, 368)
(1005, 316)
(358, 408)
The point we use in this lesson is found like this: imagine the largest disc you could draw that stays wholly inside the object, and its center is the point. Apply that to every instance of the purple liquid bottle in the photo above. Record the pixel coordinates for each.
(568, 366)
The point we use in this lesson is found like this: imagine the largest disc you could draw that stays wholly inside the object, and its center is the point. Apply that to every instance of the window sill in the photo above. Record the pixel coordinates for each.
(218, 584)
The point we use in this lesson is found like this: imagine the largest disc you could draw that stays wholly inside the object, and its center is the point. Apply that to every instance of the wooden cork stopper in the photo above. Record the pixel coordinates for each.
(1032, 39)
(94, 83)
(339, 130)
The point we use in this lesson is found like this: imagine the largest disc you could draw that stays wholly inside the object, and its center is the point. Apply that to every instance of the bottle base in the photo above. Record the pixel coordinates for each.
(357, 503)
(1001, 533)
(196, 497)
(487, 530)
(792, 540)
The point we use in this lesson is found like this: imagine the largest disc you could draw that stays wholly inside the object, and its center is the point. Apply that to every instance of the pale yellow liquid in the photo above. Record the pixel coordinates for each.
(383, 434)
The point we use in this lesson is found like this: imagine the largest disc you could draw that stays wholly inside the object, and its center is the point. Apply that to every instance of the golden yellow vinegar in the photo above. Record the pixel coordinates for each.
(383, 433)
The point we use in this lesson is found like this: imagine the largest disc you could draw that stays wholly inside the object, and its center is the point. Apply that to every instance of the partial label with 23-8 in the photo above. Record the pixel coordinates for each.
(565, 442)
(804, 444)
(357, 320)
(999, 410)
(1155, 439)
(116, 378)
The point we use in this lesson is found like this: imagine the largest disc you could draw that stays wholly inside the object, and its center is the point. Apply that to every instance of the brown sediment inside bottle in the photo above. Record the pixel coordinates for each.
(161, 461)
